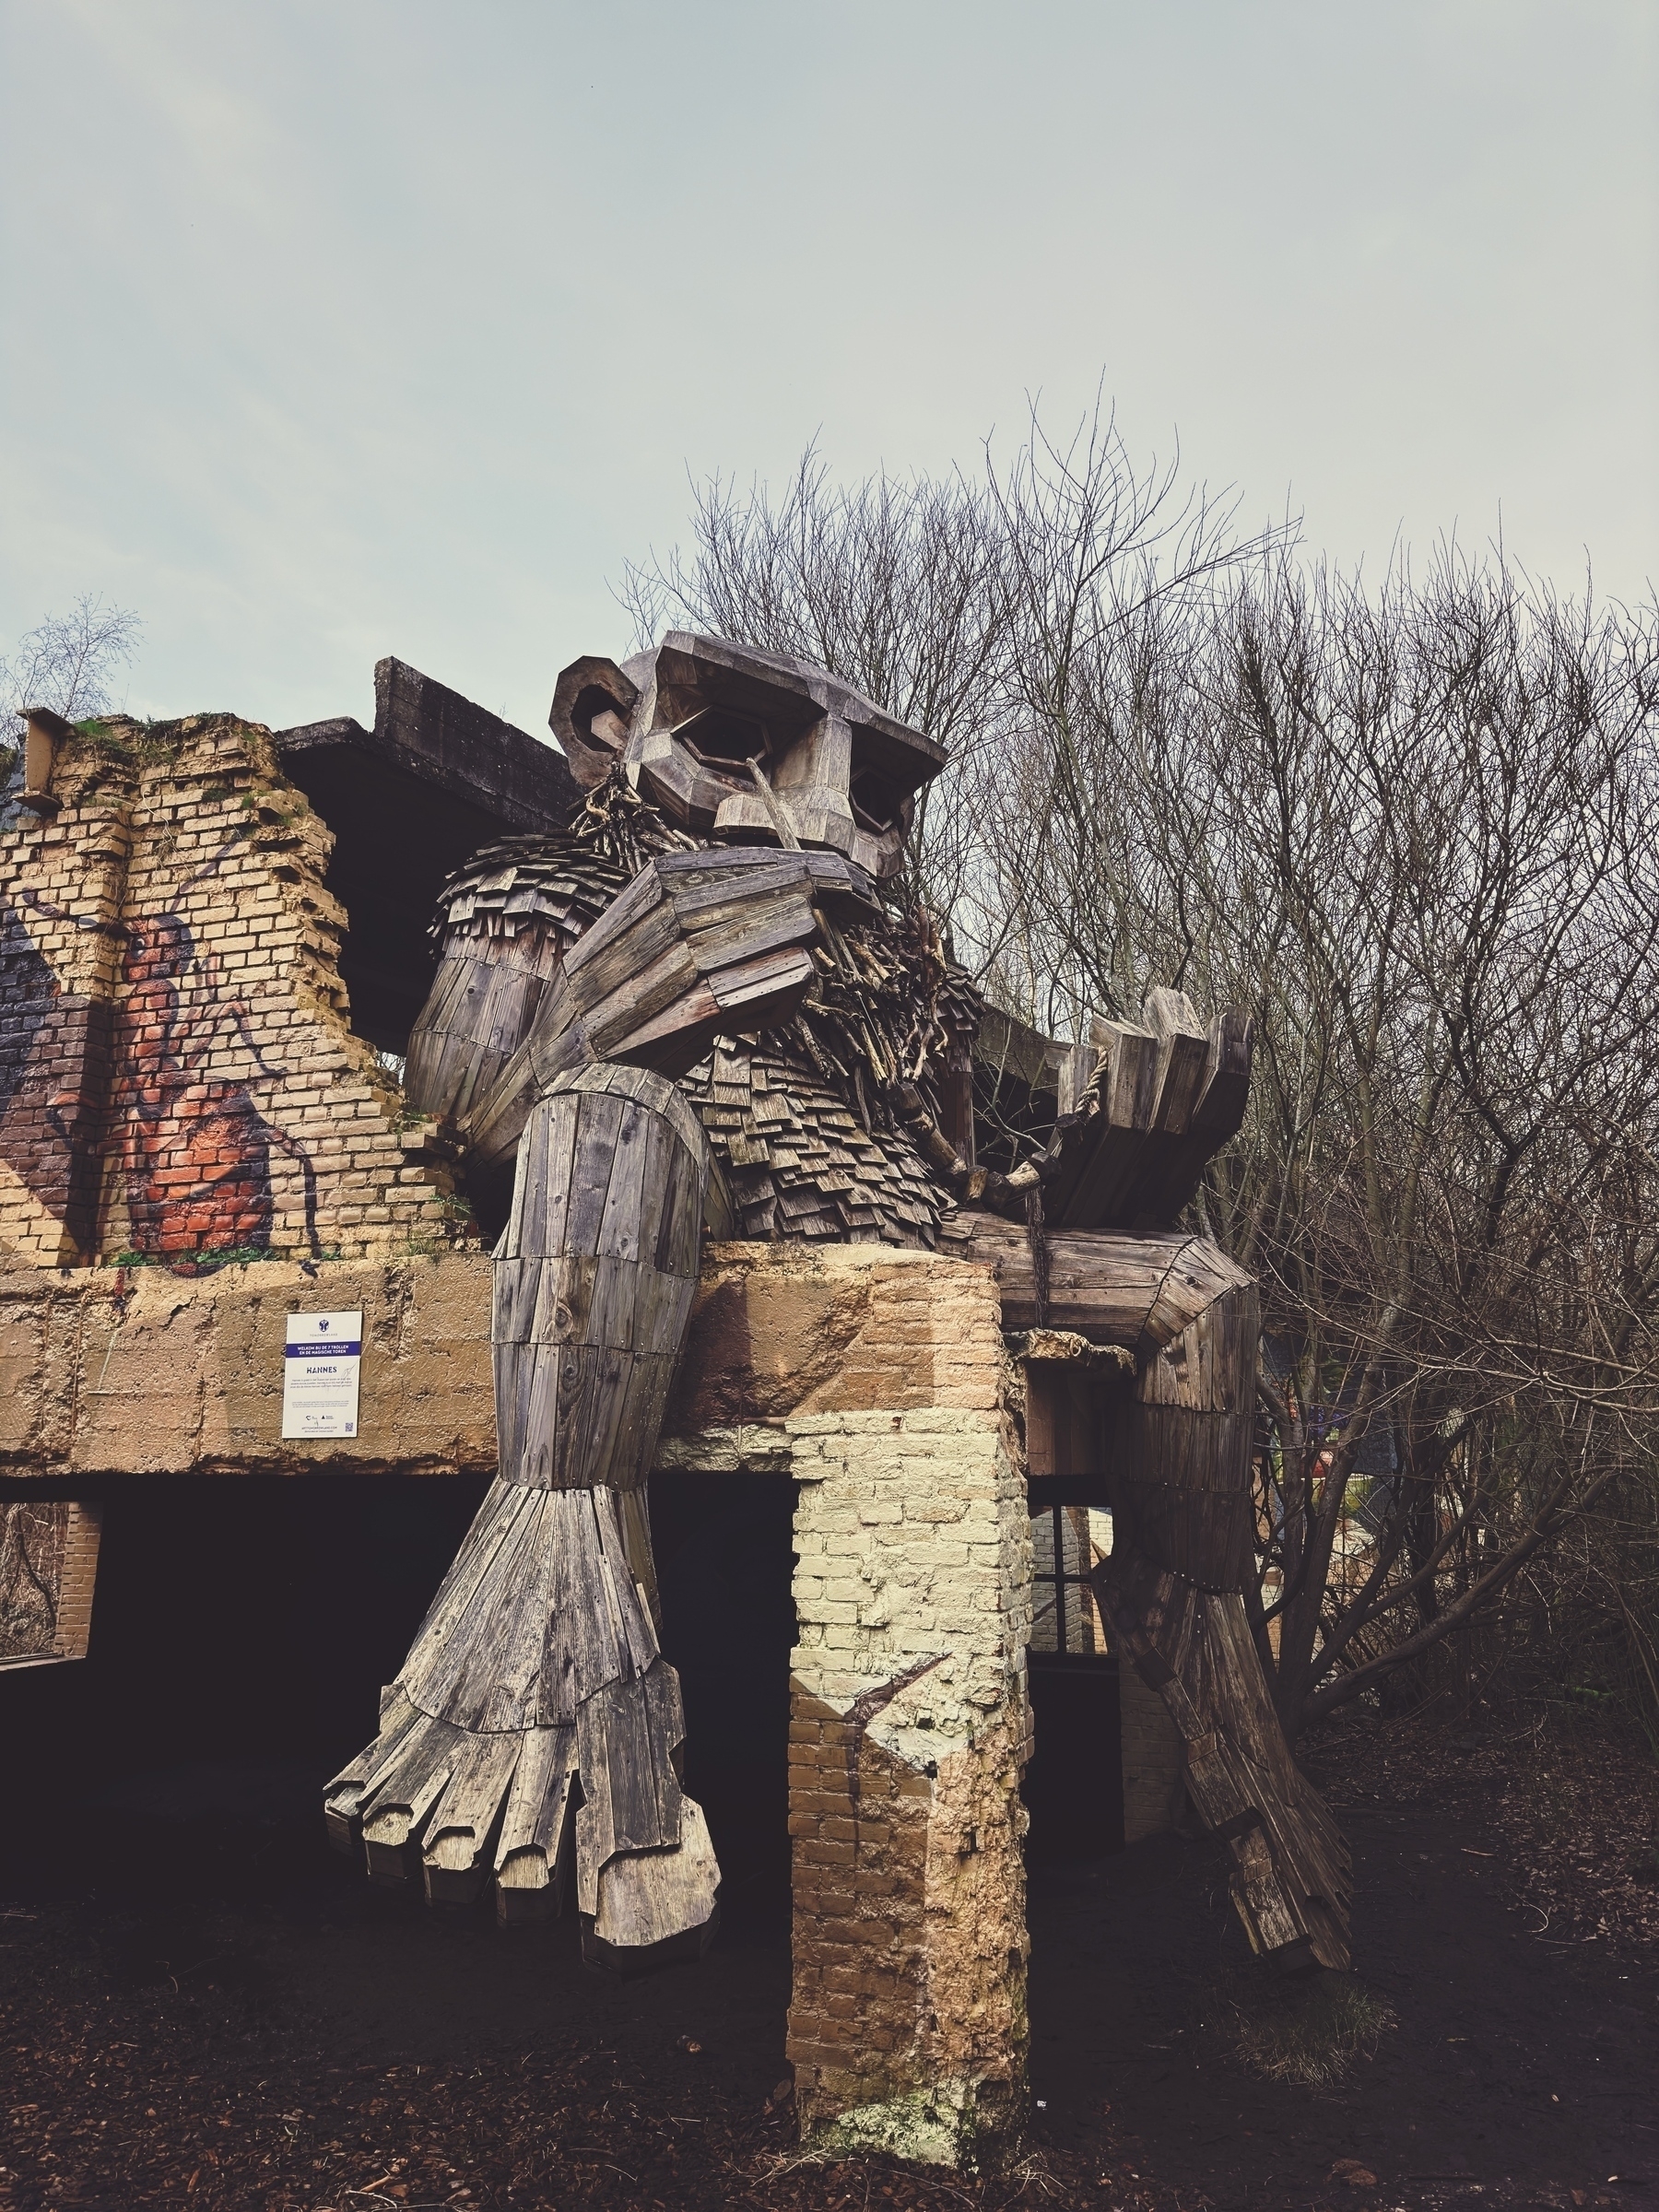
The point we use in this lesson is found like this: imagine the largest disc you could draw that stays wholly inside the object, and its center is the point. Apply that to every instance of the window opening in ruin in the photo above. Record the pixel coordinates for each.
(1068, 1542)
(1073, 1786)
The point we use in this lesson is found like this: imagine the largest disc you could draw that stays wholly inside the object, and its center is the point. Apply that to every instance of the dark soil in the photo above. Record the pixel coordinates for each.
(199, 2007)
(1525, 2066)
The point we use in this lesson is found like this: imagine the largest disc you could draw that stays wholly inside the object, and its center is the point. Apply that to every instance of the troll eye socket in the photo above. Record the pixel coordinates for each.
(723, 740)
(877, 802)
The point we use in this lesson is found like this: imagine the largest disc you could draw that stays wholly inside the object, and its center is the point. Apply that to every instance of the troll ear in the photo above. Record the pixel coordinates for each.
(591, 704)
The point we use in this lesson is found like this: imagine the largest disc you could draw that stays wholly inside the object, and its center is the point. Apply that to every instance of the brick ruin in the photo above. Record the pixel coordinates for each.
(200, 1132)
(180, 1077)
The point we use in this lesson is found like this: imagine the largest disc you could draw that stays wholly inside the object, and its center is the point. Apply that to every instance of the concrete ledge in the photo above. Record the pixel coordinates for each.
(110, 1371)
(106, 1371)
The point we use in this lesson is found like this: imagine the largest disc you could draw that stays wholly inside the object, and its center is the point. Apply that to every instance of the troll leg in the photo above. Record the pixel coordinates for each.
(1173, 1592)
(534, 1721)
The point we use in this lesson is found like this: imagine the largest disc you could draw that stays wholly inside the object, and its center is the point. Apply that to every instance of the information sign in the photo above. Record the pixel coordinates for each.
(320, 1374)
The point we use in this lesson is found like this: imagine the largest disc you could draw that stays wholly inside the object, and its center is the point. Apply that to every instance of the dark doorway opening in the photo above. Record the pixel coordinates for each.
(1074, 1782)
(724, 1559)
(241, 1629)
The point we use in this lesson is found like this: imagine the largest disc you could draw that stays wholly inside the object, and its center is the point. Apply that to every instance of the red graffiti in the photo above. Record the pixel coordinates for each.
(191, 1141)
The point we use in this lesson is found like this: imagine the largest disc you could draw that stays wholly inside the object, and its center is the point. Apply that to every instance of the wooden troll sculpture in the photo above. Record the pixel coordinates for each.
(690, 1012)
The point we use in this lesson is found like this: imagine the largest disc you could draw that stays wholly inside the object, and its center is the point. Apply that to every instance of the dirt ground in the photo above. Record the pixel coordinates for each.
(200, 2007)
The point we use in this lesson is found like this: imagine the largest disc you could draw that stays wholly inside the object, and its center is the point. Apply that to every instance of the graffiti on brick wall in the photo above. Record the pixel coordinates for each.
(181, 1124)
(187, 1135)
(45, 1031)
(31, 1569)
(26, 990)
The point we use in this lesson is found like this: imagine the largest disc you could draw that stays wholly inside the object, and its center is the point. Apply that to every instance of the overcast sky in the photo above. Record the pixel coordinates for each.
(344, 327)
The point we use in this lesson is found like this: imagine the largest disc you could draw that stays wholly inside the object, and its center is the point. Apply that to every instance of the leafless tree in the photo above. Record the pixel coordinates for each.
(1415, 832)
(1413, 828)
(67, 663)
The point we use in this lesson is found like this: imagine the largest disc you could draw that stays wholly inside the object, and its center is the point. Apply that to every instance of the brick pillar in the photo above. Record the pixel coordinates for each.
(907, 2026)
(77, 1579)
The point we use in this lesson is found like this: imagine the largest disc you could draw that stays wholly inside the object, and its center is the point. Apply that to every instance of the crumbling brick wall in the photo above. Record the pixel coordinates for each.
(179, 1080)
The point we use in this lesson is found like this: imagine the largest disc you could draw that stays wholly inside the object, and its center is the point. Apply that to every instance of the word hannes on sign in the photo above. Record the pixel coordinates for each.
(324, 1352)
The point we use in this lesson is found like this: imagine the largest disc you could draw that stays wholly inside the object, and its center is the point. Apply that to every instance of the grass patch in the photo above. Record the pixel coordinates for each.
(1312, 2030)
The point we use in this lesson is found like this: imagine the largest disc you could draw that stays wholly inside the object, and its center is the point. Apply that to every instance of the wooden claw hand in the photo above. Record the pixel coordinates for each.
(1161, 1097)
(698, 945)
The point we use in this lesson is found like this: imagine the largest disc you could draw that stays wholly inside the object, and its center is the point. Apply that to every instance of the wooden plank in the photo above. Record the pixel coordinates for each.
(649, 1382)
(456, 1848)
(1189, 1451)
(780, 922)
(1290, 1877)
(533, 1849)
(396, 1814)
(1081, 1064)
(690, 1184)
(515, 1295)
(544, 1381)
(508, 1014)
(643, 892)
(771, 979)
(638, 1165)
(489, 1679)
(751, 997)
(599, 1126)
(648, 1898)
(1221, 1102)
(580, 1653)
(633, 1516)
(1104, 1286)
(716, 900)
(459, 1676)
(649, 994)
(632, 1796)
(403, 1760)
(720, 863)
(1127, 1077)
(492, 1126)
(618, 959)
(511, 1363)
(1126, 1083)
(630, 1607)
(1219, 1114)
(1183, 1050)
(343, 1797)
(501, 1512)
(601, 1373)
(1206, 1536)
